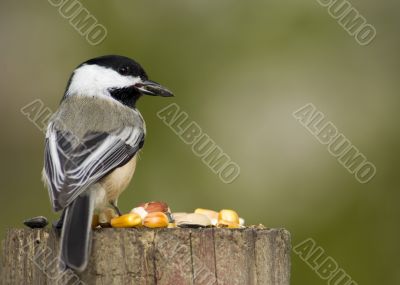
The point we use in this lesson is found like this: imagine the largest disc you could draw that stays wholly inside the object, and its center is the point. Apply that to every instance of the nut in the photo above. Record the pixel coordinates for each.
(156, 220)
(140, 211)
(155, 206)
(150, 207)
(126, 221)
(193, 220)
(229, 219)
(178, 215)
(212, 215)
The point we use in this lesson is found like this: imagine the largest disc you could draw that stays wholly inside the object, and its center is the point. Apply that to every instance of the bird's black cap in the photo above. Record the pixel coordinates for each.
(122, 64)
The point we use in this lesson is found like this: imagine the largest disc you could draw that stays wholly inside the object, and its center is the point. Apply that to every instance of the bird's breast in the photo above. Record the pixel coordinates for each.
(117, 181)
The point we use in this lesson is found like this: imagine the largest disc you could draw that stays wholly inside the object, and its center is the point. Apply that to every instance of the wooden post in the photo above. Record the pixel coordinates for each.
(145, 256)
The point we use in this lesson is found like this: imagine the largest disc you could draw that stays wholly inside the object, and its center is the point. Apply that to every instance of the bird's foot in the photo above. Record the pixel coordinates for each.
(106, 215)
(58, 224)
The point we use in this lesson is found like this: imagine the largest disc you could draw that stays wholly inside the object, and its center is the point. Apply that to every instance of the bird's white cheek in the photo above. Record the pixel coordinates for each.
(94, 80)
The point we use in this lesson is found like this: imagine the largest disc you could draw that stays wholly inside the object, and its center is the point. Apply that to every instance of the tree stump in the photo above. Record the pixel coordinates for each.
(145, 256)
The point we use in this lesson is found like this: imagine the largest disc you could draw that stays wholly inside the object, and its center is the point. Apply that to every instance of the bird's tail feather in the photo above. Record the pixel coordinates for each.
(76, 232)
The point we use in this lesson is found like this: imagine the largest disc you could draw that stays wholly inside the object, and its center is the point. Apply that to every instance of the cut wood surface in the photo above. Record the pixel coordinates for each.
(145, 256)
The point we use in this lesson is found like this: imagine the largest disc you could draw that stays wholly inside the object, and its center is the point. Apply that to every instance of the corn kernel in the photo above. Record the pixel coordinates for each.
(228, 218)
(156, 220)
(127, 221)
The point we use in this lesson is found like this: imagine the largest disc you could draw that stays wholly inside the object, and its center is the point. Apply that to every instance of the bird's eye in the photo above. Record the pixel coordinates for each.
(124, 70)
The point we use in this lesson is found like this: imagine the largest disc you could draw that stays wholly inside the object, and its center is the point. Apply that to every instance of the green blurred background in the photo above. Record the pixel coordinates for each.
(239, 69)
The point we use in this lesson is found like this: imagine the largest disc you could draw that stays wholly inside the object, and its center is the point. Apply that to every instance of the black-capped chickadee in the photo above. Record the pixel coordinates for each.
(91, 146)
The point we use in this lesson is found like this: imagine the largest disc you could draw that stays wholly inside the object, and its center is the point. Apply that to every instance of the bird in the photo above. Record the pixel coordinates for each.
(91, 147)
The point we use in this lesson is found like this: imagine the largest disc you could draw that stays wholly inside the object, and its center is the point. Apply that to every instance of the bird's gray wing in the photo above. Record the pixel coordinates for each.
(71, 165)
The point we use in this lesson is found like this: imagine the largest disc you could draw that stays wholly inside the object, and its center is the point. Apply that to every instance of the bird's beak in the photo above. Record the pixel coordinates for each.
(148, 87)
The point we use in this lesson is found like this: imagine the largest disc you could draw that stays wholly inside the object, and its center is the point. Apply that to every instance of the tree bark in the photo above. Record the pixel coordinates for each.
(145, 256)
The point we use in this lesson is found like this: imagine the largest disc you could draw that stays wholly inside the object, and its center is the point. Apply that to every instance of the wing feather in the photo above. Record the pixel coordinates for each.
(71, 165)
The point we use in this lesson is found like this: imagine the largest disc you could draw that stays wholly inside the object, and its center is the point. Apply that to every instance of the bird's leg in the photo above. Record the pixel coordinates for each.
(57, 225)
(114, 205)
